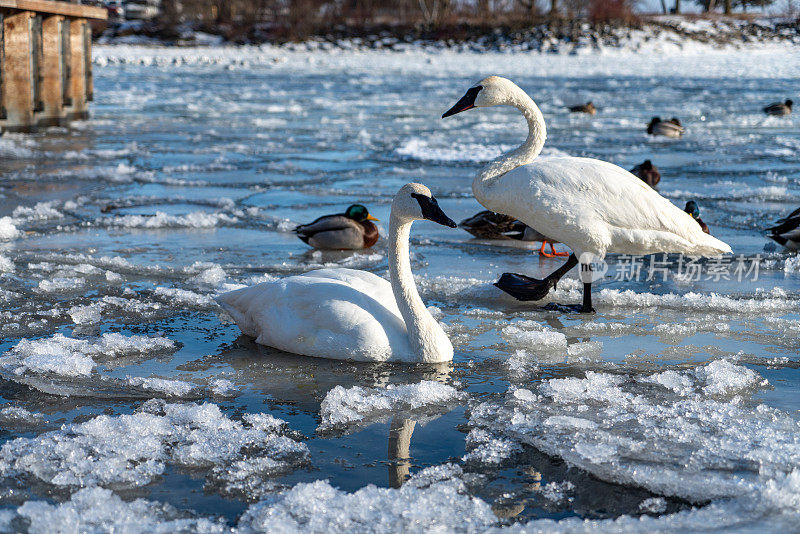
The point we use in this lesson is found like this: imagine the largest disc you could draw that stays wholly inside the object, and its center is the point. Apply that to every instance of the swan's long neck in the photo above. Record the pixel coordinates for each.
(522, 155)
(422, 327)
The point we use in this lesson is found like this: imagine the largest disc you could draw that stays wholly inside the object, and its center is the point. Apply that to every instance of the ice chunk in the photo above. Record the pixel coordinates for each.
(585, 349)
(223, 387)
(16, 416)
(41, 211)
(434, 500)
(534, 336)
(90, 314)
(130, 450)
(653, 505)
(792, 264)
(213, 276)
(345, 406)
(775, 509)
(61, 283)
(680, 383)
(557, 491)
(98, 510)
(184, 296)
(723, 377)
(74, 357)
(487, 448)
(173, 388)
(7, 229)
(196, 219)
(631, 430)
(719, 377)
(6, 265)
(707, 303)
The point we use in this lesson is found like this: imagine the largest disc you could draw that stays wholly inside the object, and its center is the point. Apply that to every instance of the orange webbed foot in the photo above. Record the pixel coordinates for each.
(553, 253)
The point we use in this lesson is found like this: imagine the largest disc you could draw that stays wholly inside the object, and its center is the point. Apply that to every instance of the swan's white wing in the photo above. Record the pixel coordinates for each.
(328, 313)
(595, 206)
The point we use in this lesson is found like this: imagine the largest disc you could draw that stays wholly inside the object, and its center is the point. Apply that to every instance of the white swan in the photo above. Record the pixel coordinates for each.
(346, 314)
(592, 206)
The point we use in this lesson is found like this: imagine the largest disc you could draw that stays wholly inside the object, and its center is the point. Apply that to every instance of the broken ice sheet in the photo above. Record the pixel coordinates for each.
(356, 407)
(98, 510)
(131, 450)
(61, 355)
(60, 365)
(434, 500)
(633, 431)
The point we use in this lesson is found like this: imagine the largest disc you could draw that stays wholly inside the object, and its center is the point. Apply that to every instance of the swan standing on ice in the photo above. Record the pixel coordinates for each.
(590, 205)
(346, 314)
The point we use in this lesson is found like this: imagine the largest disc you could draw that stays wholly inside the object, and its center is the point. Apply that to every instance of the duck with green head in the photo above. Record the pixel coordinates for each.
(694, 210)
(351, 230)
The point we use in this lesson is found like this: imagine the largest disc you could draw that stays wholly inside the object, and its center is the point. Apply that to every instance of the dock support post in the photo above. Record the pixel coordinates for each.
(79, 70)
(45, 62)
(53, 77)
(17, 76)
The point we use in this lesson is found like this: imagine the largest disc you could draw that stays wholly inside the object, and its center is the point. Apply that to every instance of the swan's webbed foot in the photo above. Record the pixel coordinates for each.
(525, 288)
(568, 308)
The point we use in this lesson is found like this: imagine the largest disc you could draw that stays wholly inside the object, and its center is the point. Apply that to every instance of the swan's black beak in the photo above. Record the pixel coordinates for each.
(432, 212)
(467, 102)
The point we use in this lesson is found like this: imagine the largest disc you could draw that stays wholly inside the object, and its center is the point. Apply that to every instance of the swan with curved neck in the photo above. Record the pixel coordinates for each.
(347, 314)
(592, 206)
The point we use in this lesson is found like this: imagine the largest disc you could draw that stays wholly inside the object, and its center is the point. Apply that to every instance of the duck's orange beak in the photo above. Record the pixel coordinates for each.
(371, 218)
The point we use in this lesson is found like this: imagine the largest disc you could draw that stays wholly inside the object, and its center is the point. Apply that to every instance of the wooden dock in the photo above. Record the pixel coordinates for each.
(45, 62)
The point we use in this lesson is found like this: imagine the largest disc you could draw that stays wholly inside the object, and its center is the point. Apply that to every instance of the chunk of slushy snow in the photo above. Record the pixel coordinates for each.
(434, 500)
(343, 406)
(74, 357)
(98, 510)
(131, 450)
(7, 229)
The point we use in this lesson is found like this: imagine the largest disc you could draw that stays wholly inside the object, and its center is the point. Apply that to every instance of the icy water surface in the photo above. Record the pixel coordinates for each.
(123, 386)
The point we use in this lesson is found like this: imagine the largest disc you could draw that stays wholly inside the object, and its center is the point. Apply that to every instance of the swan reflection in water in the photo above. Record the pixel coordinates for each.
(302, 382)
(400, 431)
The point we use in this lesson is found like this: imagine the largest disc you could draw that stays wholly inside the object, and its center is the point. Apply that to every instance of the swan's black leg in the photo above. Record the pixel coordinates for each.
(587, 299)
(522, 287)
(586, 307)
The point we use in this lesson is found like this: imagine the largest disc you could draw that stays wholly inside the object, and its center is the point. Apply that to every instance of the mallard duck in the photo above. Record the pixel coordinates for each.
(490, 225)
(351, 230)
(779, 109)
(584, 108)
(670, 128)
(648, 173)
(786, 231)
(693, 210)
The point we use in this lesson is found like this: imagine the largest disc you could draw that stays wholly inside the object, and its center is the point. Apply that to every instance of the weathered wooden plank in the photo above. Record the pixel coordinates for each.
(56, 8)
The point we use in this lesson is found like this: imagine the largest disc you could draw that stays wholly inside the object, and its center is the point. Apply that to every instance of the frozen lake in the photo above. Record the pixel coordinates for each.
(674, 407)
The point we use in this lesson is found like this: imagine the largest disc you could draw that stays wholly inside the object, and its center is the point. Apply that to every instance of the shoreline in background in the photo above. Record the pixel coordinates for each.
(570, 37)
